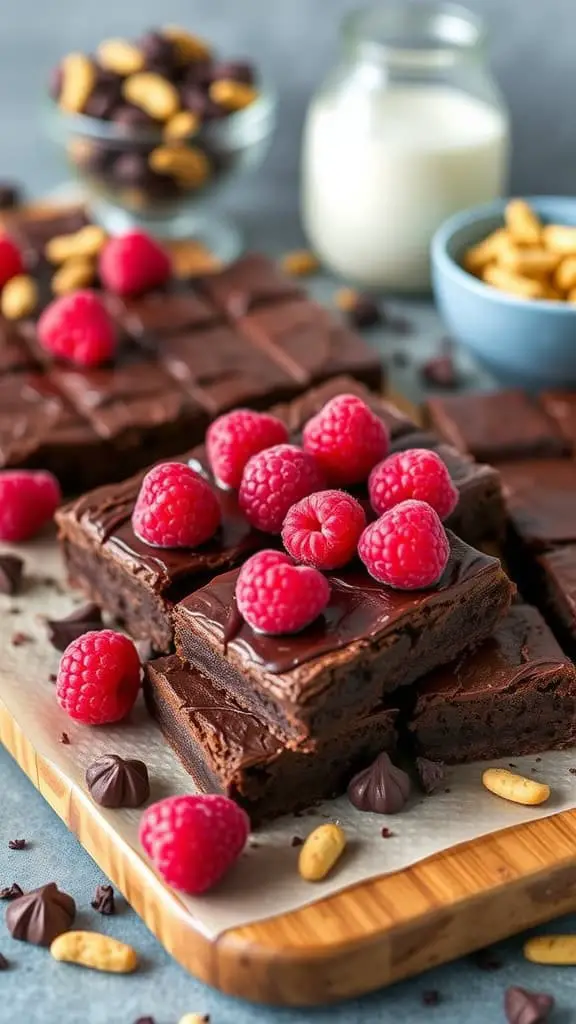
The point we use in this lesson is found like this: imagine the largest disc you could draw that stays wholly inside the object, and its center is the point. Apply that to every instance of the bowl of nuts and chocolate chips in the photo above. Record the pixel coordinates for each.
(154, 127)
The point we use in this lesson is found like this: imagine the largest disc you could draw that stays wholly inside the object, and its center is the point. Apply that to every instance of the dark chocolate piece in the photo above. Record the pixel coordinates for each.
(431, 997)
(236, 70)
(540, 496)
(440, 371)
(17, 844)
(65, 739)
(11, 569)
(364, 311)
(10, 195)
(382, 787)
(556, 589)
(41, 915)
(103, 901)
(115, 782)
(430, 773)
(62, 632)
(524, 1007)
(11, 892)
(4, 963)
(513, 695)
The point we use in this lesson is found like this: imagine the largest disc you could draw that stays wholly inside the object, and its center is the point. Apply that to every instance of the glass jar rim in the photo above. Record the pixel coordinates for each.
(414, 32)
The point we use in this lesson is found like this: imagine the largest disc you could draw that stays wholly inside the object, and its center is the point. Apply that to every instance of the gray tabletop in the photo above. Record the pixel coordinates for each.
(532, 49)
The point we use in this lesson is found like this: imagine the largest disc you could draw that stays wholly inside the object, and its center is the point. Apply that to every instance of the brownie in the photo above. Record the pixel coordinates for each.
(540, 497)
(513, 695)
(297, 412)
(134, 581)
(229, 750)
(370, 640)
(556, 587)
(15, 356)
(311, 343)
(163, 313)
(496, 426)
(254, 280)
(561, 407)
(27, 415)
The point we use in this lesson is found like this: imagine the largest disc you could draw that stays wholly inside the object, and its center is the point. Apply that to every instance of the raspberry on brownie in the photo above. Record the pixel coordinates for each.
(323, 529)
(275, 596)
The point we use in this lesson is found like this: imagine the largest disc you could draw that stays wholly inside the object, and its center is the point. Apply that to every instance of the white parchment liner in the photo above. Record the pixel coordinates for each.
(265, 882)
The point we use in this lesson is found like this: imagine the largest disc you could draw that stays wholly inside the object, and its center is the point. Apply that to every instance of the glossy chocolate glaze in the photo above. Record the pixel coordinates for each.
(559, 567)
(541, 500)
(359, 610)
(521, 651)
(253, 280)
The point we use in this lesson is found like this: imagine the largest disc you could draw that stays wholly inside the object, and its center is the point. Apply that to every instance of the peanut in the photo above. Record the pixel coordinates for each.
(19, 297)
(86, 242)
(522, 222)
(551, 949)
(189, 166)
(480, 255)
(153, 94)
(515, 788)
(232, 95)
(560, 238)
(194, 1018)
(571, 297)
(78, 78)
(514, 284)
(299, 263)
(188, 47)
(77, 272)
(529, 262)
(181, 126)
(323, 847)
(120, 56)
(565, 276)
(345, 299)
(90, 949)
(191, 258)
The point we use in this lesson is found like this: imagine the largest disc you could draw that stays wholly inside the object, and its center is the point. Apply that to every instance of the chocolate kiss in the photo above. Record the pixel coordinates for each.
(382, 788)
(41, 915)
(114, 782)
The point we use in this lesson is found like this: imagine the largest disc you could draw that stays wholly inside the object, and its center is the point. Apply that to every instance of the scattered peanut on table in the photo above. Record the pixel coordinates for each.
(516, 788)
(551, 949)
(91, 949)
(323, 847)
(299, 263)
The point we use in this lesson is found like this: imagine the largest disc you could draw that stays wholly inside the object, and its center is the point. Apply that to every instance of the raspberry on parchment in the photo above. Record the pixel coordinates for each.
(99, 677)
(28, 500)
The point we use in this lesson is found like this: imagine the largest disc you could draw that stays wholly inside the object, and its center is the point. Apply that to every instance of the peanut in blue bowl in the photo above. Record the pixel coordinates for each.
(526, 342)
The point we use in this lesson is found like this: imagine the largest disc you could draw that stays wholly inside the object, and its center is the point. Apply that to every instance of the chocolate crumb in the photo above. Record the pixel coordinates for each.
(440, 372)
(103, 900)
(62, 632)
(297, 841)
(387, 833)
(4, 965)
(17, 639)
(486, 960)
(17, 844)
(572, 771)
(512, 765)
(524, 1007)
(13, 610)
(11, 892)
(11, 568)
(145, 1020)
(432, 997)
(430, 773)
(254, 846)
(65, 739)
(447, 790)
(52, 677)
(537, 758)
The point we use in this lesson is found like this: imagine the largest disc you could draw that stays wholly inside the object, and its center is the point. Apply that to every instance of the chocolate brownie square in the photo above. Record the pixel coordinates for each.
(253, 280)
(540, 497)
(561, 407)
(15, 356)
(160, 313)
(229, 750)
(370, 640)
(513, 695)
(496, 426)
(556, 587)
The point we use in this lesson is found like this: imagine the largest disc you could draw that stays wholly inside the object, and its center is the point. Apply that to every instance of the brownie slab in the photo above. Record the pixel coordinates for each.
(252, 281)
(370, 640)
(229, 750)
(561, 407)
(496, 426)
(540, 497)
(556, 588)
(514, 695)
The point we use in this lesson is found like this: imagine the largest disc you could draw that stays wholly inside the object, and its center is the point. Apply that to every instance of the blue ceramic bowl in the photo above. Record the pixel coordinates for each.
(531, 343)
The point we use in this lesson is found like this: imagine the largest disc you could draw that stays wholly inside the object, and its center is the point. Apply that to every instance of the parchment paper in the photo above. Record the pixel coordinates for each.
(265, 882)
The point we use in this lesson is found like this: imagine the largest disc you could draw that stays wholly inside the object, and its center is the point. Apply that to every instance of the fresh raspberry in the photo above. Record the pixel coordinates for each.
(134, 263)
(99, 677)
(11, 262)
(175, 508)
(194, 840)
(273, 481)
(417, 473)
(28, 500)
(275, 596)
(235, 437)
(79, 328)
(407, 547)
(323, 529)
(347, 439)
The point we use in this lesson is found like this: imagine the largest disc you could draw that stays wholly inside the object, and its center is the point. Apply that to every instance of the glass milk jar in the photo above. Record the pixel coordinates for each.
(408, 129)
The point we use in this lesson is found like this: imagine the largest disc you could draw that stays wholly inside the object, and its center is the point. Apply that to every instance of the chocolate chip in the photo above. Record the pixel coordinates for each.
(115, 782)
(386, 833)
(441, 371)
(41, 915)
(572, 771)
(52, 677)
(195, 99)
(145, 1020)
(11, 568)
(10, 195)
(4, 964)
(365, 312)
(159, 53)
(485, 960)
(131, 169)
(62, 632)
(431, 997)
(297, 841)
(65, 739)
(524, 1007)
(17, 639)
(17, 844)
(382, 787)
(103, 900)
(105, 95)
(11, 892)
(236, 70)
(430, 773)
(132, 119)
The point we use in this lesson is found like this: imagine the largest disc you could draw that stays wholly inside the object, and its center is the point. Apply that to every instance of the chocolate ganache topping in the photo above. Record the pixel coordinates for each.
(382, 787)
(114, 782)
(41, 915)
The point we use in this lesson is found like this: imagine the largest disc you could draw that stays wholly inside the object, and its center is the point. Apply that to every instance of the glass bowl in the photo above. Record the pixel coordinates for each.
(136, 178)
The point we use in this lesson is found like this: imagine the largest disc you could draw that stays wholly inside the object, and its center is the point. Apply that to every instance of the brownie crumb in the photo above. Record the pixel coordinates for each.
(254, 846)
(145, 1020)
(17, 844)
(61, 632)
(430, 773)
(20, 638)
(537, 758)
(572, 771)
(11, 569)
(387, 833)
(52, 677)
(65, 739)
(522, 1006)
(297, 841)
(432, 997)
(486, 960)
(512, 765)
(11, 892)
(4, 965)
(13, 610)
(103, 900)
